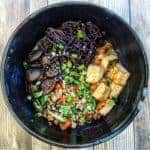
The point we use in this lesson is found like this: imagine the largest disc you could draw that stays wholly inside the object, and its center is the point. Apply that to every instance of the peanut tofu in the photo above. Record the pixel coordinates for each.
(115, 90)
(101, 92)
(118, 74)
(94, 73)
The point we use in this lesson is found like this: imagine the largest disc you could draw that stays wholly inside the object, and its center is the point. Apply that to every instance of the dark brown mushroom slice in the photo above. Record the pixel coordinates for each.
(34, 55)
(33, 74)
(51, 72)
(32, 88)
(45, 60)
(36, 64)
(48, 85)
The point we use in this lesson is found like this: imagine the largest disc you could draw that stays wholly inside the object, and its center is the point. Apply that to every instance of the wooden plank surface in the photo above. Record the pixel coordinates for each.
(135, 137)
(140, 21)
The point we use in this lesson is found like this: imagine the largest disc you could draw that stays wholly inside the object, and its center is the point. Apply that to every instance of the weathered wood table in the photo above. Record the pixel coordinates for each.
(137, 135)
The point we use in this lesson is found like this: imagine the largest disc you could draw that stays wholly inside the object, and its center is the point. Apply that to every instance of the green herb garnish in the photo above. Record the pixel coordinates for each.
(111, 103)
(57, 47)
(80, 34)
(74, 56)
(25, 65)
(43, 100)
(37, 94)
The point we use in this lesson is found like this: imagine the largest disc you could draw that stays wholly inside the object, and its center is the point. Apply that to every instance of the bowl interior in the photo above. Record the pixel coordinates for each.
(130, 53)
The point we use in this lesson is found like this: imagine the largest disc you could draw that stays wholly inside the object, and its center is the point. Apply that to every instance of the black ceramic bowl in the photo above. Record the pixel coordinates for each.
(130, 52)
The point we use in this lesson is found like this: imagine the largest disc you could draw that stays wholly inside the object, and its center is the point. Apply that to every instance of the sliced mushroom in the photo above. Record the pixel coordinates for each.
(48, 85)
(45, 60)
(35, 64)
(51, 72)
(32, 88)
(34, 55)
(33, 74)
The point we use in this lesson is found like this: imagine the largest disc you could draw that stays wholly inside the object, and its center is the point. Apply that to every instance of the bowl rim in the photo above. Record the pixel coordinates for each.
(122, 126)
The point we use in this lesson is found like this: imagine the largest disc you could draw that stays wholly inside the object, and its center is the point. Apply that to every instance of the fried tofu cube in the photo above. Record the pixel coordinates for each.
(106, 107)
(118, 74)
(101, 92)
(115, 90)
(94, 73)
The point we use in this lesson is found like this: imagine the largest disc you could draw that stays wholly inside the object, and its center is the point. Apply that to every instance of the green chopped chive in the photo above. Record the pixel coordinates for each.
(29, 97)
(74, 110)
(80, 34)
(68, 80)
(38, 114)
(114, 63)
(67, 70)
(82, 78)
(74, 55)
(109, 81)
(70, 98)
(114, 99)
(56, 116)
(57, 47)
(64, 66)
(37, 107)
(25, 65)
(43, 100)
(81, 67)
(69, 64)
(60, 46)
(111, 103)
(74, 73)
(37, 94)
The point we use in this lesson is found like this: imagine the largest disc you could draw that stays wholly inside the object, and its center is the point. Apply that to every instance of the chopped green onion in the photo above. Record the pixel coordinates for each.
(37, 107)
(69, 64)
(43, 100)
(80, 93)
(76, 81)
(81, 67)
(80, 34)
(37, 94)
(57, 47)
(38, 114)
(114, 63)
(66, 111)
(64, 66)
(68, 80)
(29, 97)
(111, 103)
(82, 78)
(73, 73)
(83, 72)
(88, 120)
(67, 70)
(74, 110)
(56, 116)
(74, 55)
(70, 98)
(25, 65)
(114, 99)
(109, 81)
(60, 46)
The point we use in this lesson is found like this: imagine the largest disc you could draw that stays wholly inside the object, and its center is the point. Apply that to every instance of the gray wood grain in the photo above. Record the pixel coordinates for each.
(140, 21)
